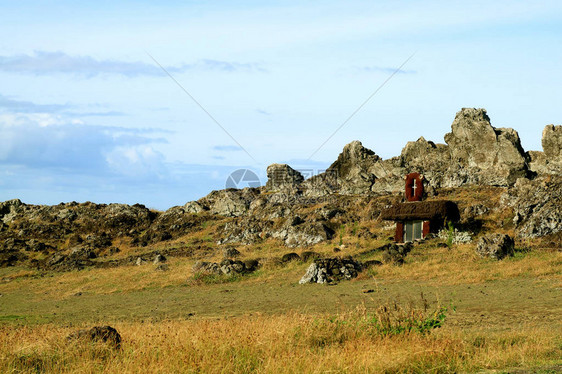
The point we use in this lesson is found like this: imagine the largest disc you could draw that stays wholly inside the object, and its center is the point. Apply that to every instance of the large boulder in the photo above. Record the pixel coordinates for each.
(495, 246)
(282, 176)
(494, 154)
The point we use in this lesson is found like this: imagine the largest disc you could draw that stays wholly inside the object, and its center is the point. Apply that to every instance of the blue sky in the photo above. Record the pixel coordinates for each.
(86, 114)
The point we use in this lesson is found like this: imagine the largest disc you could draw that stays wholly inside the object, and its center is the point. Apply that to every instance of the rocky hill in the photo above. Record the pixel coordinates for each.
(524, 191)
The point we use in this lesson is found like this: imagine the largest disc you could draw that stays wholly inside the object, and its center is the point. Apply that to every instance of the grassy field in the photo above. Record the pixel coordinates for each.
(444, 310)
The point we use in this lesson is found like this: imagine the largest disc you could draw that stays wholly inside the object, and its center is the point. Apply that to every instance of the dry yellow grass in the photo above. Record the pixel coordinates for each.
(291, 343)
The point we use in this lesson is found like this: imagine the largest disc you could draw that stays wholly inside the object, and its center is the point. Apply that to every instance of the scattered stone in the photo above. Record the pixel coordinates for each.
(225, 267)
(206, 267)
(158, 259)
(105, 334)
(495, 246)
(139, 261)
(367, 290)
(230, 252)
(81, 253)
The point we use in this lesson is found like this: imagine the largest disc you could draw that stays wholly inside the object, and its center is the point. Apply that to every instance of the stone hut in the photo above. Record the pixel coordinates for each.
(415, 218)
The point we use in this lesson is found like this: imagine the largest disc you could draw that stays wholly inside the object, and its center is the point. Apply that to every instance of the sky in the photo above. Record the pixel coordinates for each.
(159, 102)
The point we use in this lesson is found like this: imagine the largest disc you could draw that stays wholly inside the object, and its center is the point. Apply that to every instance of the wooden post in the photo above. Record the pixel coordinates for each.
(399, 234)
(426, 228)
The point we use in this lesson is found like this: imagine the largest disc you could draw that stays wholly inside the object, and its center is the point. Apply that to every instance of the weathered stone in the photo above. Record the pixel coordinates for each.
(193, 207)
(282, 176)
(494, 153)
(329, 270)
(352, 169)
(495, 246)
(537, 206)
(230, 202)
(552, 142)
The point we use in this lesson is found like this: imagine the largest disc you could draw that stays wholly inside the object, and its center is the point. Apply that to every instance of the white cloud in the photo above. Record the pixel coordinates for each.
(46, 63)
(51, 141)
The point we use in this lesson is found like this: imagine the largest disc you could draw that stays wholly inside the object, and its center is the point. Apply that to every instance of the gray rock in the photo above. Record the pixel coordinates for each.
(552, 142)
(494, 153)
(537, 206)
(193, 207)
(282, 176)
(329, 270)
(495, 246)
(550, 160)
(159, 259)
(353, 169)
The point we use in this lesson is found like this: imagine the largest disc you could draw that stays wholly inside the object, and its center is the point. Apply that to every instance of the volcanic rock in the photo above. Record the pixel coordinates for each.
(282, 176)
(328, 270)
(495, 246)
(495, 154)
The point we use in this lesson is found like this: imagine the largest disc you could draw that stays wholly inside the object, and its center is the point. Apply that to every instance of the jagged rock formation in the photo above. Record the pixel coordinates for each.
(352, 169)
(300, 213)
(475, 153)
(494, 155)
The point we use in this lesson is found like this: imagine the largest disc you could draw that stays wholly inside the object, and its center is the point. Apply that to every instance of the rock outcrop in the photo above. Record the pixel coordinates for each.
(352, 169)
(537, 206)
(281, 177)
(494, 155)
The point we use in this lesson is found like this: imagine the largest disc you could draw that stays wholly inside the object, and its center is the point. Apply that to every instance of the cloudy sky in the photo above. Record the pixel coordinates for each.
(89, 112)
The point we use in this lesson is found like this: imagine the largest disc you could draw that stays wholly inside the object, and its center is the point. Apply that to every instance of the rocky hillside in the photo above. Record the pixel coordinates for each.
(525, 190)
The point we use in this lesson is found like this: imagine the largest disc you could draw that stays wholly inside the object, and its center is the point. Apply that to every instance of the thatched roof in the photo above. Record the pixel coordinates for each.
(423, 210)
